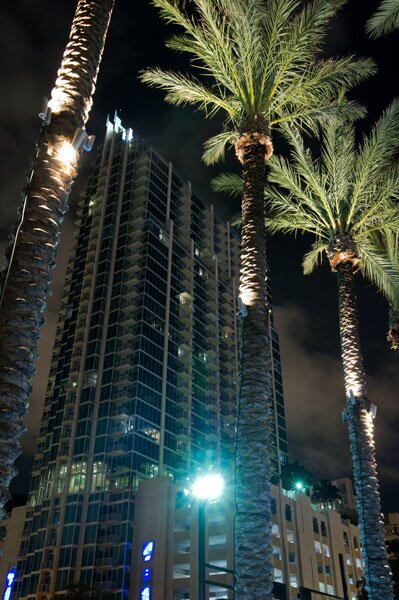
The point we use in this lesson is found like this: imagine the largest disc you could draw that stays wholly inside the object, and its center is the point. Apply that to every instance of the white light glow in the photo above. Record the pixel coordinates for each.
(208, 487)
(67, 154)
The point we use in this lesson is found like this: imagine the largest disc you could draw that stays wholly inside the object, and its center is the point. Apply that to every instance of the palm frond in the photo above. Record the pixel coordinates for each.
(384, 20)
(323, 80)
(382, 272)
(376, 152)
(313, 258)
(215, 147)
(228, 183)
(183, 89)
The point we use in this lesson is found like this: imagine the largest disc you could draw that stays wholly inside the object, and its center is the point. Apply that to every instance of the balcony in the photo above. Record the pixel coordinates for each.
(109, 540)
(121, 398)
(119, 413)
(111, 518)
(105, 563)
(117, 449)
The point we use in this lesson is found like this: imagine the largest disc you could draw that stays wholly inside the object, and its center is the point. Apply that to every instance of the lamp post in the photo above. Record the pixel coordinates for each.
(205, 488)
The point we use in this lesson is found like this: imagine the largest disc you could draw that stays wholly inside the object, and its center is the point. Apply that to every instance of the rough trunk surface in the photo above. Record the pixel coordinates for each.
(359, 419)
(253, 549)
(32, 249)
(393, 333)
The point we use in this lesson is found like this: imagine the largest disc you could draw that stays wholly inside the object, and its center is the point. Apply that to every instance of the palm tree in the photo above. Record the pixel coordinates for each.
(385, 19)
(342, 198)
(257, 64)
(31, 253)
(326, 494)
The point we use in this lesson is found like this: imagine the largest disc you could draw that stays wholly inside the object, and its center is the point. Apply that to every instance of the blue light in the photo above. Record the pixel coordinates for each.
(145, 593)
(146, 575)
(148, 549)
(10, 580)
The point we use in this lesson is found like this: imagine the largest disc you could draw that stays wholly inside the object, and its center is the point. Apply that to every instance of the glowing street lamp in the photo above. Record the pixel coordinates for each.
(205, 488)
(299, 487)
(208, 487)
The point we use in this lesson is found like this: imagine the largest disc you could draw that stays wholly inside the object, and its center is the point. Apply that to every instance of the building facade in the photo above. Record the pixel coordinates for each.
(313, 550)
(143, 376)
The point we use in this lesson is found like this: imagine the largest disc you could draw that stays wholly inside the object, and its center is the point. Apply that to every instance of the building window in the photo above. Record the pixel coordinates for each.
(78, 477)
(320, 568)
(359, 563)
(315, 525)
(290, 536)
(346, 539)
(317, 547)
(348, 560)
(323, 528)
(326, 550)
(275, 530)
(288, 513)
(293, 580)
(355, 542)
(278, 575)
(277, 552)
(291, 557)
(322, 587)
(351, 580)
(330, 589)
(328, 569)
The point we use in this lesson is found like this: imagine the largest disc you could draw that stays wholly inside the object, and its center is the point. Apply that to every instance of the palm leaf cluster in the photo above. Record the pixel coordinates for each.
(347, 190)
(256, 59)
(385, 19)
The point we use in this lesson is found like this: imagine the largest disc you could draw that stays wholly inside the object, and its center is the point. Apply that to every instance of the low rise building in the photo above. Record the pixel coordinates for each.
(315, 552)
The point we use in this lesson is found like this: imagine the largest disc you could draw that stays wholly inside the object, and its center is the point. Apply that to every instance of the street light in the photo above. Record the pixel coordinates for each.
(206, 487)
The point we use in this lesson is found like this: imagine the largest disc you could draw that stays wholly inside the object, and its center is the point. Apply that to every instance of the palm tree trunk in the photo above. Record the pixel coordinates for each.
(359, 419)
(253, 549)
(32, 249)
(393, 333)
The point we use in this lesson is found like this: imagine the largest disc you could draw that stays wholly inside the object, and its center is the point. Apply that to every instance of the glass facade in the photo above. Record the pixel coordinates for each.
(143, 375)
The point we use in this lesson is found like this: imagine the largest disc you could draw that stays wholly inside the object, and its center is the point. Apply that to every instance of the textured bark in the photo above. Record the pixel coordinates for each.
(360, 426)
(393, 333)
(31, 254)
(253, 549)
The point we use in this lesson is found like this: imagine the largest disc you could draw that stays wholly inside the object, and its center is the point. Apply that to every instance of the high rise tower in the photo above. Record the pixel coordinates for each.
(143, 375)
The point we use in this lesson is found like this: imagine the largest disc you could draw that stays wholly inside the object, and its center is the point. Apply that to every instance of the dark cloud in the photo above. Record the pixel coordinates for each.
(314, 398)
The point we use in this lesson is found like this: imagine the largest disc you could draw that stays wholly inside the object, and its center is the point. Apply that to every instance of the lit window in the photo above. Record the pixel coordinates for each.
(276, 553)
(330, 589)
(359, 563)
(275, 530)
(290, 536)
(317, 547)
(322, 587)
(326, 550)
(278, 575)
(293, 580)
(348, 560)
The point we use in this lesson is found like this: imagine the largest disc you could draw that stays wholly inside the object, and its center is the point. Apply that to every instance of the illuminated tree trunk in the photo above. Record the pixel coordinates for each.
(360, 423)
(32, 249)
(393, 333)
(253, 548)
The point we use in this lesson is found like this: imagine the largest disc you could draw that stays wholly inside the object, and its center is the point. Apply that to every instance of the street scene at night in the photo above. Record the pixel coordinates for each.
(199, 300)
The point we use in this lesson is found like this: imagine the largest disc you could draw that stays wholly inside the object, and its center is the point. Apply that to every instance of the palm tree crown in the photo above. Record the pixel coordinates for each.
(257, 65)
(342, 197)
(385, 19)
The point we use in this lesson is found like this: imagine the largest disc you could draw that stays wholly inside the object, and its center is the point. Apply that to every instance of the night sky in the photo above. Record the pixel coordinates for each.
(33, 34)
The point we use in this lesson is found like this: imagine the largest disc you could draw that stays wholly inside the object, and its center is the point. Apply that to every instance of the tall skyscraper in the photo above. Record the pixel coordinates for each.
(143, 376)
